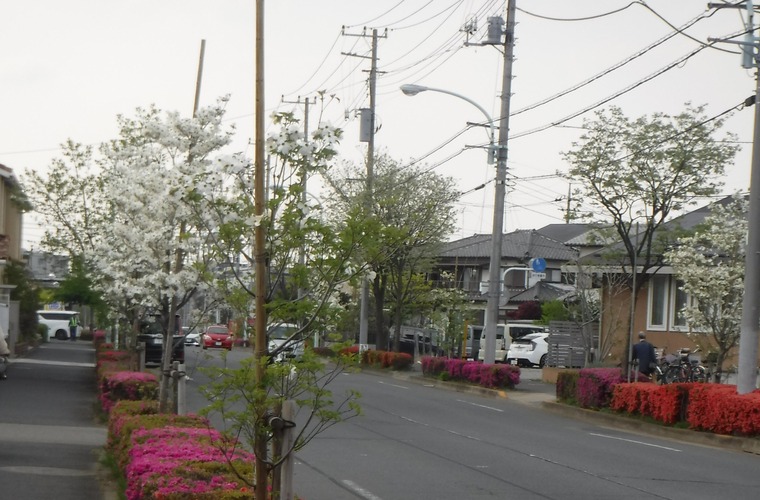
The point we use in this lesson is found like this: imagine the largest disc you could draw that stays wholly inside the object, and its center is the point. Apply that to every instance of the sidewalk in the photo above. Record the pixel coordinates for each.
(51, 441)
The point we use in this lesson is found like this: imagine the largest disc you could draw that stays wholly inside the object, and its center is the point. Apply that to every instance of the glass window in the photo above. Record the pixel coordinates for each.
(658, 287)
(680, 302)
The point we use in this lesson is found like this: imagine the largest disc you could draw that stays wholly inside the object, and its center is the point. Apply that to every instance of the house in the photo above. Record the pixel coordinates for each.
(659, 302)
(13, 203)
(465, 264)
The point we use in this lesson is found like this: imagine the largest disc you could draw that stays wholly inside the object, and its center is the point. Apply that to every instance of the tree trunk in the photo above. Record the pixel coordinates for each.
(381, 334)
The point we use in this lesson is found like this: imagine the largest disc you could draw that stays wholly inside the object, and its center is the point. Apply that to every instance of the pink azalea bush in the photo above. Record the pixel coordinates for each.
(169, 462)
(495, 376)
(594, 389)
(127, 385)
(121, 430)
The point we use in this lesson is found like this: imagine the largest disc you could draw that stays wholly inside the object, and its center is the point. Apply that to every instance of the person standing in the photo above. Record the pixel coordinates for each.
(644, 353)
(4, 353)
(73, 324)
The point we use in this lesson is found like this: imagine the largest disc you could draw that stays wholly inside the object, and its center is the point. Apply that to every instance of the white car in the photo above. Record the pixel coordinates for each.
(278, 335)
(529, 350)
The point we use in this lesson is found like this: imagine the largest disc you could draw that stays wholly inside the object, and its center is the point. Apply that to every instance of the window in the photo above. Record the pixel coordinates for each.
(658, 288)
(680, 302)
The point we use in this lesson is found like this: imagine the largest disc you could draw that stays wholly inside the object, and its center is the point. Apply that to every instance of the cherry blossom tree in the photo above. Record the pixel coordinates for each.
(710, 267)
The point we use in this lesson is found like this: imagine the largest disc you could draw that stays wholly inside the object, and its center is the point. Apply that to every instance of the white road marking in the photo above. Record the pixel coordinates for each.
(360, 491)
(480, 406)
(636, 442)
(394, 385)
(44, 362)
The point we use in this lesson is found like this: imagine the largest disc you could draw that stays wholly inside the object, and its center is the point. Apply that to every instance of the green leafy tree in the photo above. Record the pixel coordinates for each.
(411, 213)
(635, 174)
(27, 296)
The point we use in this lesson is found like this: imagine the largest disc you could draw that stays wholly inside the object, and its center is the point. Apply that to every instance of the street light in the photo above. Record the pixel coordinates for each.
(494, 267)
(412, 89)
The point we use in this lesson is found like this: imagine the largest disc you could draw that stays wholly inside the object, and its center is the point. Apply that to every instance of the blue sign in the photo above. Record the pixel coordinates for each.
(538, 265)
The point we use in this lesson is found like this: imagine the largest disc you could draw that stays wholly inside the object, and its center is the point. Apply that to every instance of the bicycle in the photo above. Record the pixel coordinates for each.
(686, 369)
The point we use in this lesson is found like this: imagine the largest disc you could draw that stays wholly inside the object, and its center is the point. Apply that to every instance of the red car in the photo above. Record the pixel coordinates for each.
(217, 336)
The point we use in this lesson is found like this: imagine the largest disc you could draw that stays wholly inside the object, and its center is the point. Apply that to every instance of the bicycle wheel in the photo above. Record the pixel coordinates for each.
(672, 374)
(698, 374)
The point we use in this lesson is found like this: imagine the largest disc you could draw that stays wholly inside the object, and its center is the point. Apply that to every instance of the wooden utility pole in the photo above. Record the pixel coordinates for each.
(260, 257)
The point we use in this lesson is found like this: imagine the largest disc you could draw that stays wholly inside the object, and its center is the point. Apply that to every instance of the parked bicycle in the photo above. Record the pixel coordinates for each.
(683, 368)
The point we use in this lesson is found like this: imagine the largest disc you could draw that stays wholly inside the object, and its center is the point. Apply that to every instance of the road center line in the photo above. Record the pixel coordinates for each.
(635, 442)
(360, 491)
(480, 406)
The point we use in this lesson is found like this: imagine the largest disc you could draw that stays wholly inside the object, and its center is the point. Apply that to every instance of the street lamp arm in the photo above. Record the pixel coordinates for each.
(411, 89)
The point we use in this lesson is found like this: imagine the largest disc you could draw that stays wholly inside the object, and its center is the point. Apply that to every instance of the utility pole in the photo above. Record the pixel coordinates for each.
(367, 134)
(750, 321)
(260, 446)
(494, 268)
(304, 178)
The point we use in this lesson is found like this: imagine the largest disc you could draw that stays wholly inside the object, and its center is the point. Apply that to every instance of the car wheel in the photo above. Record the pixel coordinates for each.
(204, 348)
(542, 361)
(507, 360)
(61, 335)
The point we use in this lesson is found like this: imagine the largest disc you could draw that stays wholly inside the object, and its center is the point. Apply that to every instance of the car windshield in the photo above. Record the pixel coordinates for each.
(217, 329)
(282, 332)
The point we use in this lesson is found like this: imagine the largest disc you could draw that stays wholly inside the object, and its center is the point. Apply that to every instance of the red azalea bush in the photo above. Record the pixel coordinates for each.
(718, 408)
(387, 359)
(173, 462)
(595, 385)
(127, 385)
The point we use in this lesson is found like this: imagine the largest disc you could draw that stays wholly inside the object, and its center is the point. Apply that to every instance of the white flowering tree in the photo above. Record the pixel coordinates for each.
(152, 250)
(710, 266)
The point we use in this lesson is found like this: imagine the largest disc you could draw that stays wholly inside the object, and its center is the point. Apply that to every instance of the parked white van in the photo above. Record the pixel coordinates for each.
(57, 322)
(516, 330)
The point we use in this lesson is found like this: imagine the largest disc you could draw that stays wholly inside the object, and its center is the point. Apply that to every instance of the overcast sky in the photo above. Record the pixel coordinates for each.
(70, 67)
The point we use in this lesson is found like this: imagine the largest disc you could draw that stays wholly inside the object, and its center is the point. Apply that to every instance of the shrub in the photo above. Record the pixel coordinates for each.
(122, 427)
(127, 385)
(178, 462)
(473, 372)
(386, 359)
(567, 386)
(595, 385)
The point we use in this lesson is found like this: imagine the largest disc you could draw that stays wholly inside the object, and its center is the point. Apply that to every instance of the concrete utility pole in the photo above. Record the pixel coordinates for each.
(494, 268)
(302, 255)
(750, 321)
(368, 135)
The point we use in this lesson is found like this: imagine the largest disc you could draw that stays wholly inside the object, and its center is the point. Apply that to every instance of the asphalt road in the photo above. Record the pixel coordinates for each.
(50, 443)
(416, 440)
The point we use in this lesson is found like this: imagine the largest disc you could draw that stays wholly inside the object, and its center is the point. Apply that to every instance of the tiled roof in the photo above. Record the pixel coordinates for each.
(522, 245)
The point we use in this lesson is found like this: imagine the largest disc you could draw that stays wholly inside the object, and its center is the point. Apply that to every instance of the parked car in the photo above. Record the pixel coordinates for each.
(154, 347)
(192, 338)
(516, 331)
(278, 335)
(217, 336)
(57, 323)
(530, 350)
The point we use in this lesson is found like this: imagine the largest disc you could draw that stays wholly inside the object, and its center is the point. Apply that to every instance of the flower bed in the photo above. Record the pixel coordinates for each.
(387, 359)
(179, 462)
(165, 456)
(497, 376)
(120, 385)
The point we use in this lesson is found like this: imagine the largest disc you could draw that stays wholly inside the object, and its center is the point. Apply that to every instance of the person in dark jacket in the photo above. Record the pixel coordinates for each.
(643, 352)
